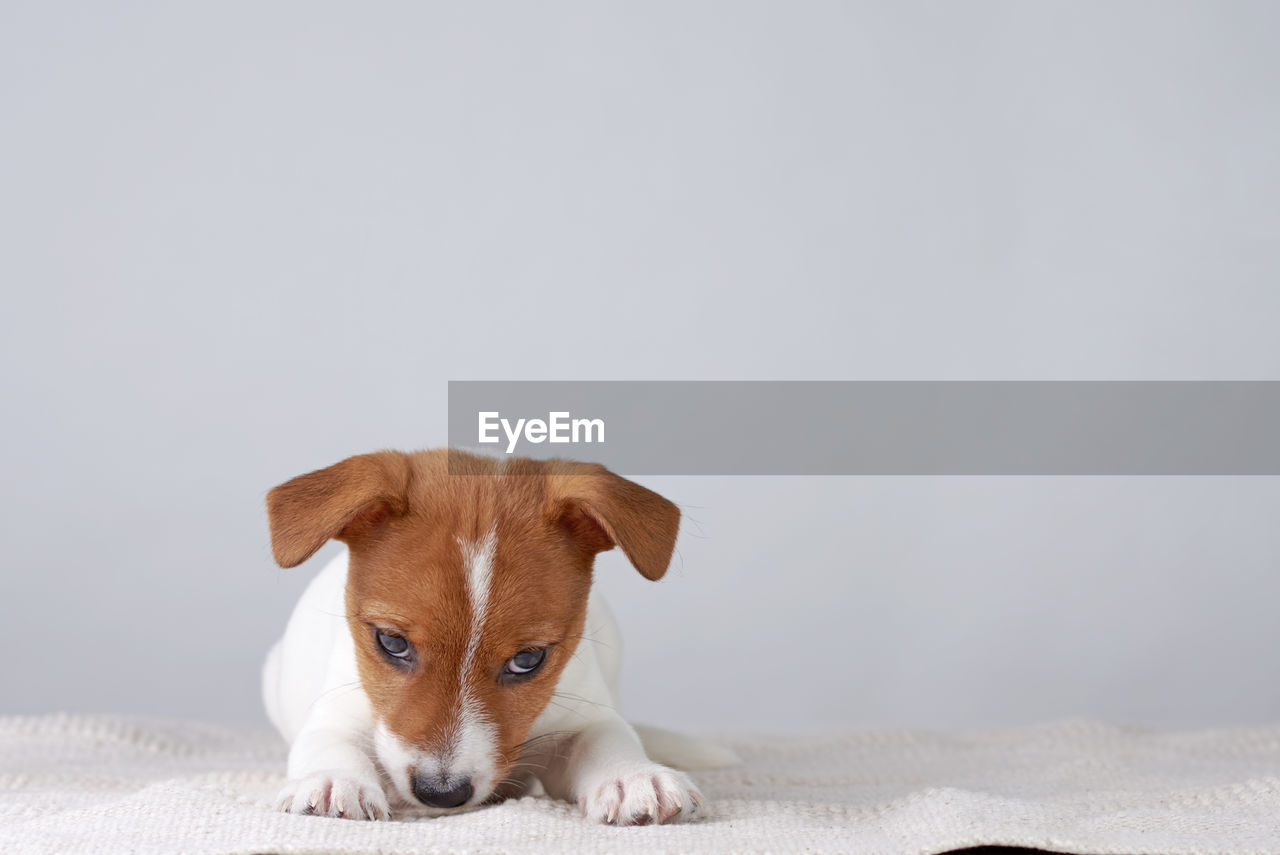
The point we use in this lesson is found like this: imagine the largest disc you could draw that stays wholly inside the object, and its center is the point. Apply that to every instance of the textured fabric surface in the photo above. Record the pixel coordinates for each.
(108, 785)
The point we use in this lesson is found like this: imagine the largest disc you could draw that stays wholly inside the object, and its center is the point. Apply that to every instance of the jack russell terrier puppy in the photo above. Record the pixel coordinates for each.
(455, 651)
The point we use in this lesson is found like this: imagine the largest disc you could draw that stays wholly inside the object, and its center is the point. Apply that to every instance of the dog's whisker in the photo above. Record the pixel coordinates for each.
(579, 699)
(332, 693)
(567, 708)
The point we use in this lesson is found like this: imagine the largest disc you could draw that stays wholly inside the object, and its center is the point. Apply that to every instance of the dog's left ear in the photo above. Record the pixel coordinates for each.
(346, 501)
(600, 509)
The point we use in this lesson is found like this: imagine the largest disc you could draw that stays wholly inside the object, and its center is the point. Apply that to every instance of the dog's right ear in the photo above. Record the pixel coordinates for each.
(602, 509)
(345, 501)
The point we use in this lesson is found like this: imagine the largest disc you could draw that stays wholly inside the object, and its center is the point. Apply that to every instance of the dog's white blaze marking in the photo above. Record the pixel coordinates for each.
(478, 561)
(473, 745)
(471, 749)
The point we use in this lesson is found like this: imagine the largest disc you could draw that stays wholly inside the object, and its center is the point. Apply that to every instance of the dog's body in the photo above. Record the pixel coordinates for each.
(427, 655)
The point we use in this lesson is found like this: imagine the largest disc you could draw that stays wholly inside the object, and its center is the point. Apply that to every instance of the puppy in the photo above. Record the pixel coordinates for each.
(455, 654)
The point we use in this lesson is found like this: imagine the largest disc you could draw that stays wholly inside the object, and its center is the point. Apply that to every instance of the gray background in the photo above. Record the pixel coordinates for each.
(244, 240)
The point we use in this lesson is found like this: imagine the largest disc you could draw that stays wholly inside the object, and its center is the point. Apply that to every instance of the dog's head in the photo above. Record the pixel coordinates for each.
(466, 594)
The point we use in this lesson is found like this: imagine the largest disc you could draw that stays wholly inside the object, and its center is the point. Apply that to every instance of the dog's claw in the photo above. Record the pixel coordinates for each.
(334, 795)
(648, 794)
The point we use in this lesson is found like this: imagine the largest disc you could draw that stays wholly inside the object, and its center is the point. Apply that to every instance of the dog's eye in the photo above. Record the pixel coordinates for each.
(526, 661)
(394, 645)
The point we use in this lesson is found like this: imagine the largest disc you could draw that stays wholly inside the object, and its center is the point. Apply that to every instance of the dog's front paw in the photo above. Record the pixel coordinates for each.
(641, 795)
(334, 794)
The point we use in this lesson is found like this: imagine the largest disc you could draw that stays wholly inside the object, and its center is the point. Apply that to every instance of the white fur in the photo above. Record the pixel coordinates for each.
(314, 697)
(475, 743)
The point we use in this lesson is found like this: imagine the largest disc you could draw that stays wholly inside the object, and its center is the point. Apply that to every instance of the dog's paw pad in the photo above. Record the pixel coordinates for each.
(333, 794)
(650, 794)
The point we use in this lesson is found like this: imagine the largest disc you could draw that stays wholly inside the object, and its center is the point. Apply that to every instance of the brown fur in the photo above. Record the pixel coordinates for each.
(401, 516)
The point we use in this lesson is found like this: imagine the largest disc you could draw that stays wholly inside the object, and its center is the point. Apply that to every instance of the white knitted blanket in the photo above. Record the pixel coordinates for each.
(107, 785)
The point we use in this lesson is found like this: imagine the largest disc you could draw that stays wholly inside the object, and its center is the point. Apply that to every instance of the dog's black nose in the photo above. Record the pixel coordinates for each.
(441, 794)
